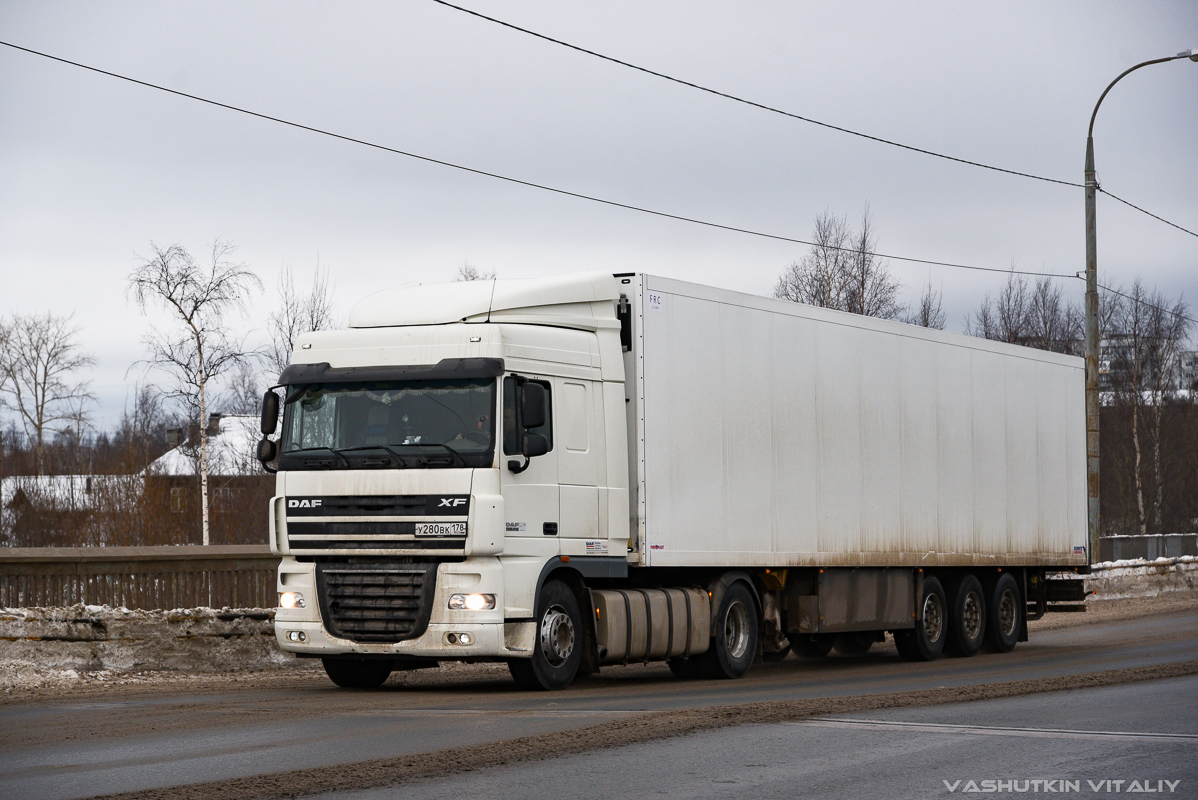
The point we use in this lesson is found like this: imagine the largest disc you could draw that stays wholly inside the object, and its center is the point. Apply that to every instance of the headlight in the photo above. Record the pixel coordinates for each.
(472, 602)
(291, 600)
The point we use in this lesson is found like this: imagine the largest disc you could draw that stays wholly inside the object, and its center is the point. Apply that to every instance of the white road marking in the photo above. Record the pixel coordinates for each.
(1045, 733)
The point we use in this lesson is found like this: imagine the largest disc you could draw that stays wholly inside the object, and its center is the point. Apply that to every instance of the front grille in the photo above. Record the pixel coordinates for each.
(323, 536)
(376, 602)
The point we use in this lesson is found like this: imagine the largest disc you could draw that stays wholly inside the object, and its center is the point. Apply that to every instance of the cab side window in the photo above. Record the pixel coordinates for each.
(513, 431)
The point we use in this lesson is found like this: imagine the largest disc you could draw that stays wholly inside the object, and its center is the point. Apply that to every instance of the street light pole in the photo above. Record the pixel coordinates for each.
(1092, 332)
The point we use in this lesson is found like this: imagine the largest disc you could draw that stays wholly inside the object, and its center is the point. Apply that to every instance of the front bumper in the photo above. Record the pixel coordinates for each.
(488, 634)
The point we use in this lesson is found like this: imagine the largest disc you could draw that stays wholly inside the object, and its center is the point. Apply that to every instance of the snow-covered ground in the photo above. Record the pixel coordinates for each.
(1139, 578)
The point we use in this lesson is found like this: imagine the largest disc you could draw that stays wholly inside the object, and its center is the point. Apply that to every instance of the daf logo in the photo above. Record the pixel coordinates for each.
(304, 503)
(450, 502)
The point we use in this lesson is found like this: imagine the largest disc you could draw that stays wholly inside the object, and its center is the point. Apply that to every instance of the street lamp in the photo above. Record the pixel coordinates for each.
(1092, 333)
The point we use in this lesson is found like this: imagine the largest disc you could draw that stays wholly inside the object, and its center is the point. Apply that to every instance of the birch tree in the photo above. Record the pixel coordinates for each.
(40, 355)
(196, 346)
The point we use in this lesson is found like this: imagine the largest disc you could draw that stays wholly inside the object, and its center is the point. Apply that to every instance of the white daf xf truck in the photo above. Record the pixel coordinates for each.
(570, 472)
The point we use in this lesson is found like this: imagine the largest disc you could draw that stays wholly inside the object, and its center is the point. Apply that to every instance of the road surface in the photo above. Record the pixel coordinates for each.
(72, 749)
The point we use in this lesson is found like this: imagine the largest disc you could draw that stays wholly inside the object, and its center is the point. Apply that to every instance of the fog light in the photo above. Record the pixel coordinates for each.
(297, 636)
(291, 600)
(459, 638)
(465, 638)
(472, 602)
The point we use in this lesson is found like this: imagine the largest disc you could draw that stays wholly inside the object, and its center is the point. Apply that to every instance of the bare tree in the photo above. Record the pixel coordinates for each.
(297, 314)
(930, 312)
(469, 272)
(243, 395)
(1031, 315)
(39, 354)
(199, 348)
(1167, 331)
(820, 278)
(1052, 323)
(870, 288)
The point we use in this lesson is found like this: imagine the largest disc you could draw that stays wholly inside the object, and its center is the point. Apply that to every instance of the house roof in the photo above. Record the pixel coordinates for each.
(231, 452)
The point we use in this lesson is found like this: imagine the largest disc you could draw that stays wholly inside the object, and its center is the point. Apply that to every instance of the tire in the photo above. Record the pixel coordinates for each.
(358, 673)
(1004, 615)
(557, 652)
(854, 644)
(734, 644)
(925, 642)
(966, 617)
(811, 645)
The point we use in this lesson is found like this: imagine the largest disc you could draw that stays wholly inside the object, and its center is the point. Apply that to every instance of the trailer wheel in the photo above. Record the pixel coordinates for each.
(966, 617)
(557, 652)
(811, 645)
(854, 644)
(357, 673)
(925, 641)
(1004, 617)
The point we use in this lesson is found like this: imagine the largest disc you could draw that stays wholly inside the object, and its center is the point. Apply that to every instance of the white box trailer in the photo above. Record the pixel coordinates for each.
(568, 472)
(775, 434)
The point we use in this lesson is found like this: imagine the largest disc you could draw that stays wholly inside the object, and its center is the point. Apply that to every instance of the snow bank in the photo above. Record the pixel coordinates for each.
(99, 638)
(1112, 580)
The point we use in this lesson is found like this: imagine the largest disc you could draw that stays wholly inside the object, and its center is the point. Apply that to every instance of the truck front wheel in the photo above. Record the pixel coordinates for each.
(358, 673)
(925, 641)
(557, 652)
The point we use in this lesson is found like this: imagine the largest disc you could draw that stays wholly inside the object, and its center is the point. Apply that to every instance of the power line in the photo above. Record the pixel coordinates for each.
(509, 179)
(774, 110)
(753, 103)
(1149, 213)
(1137, 301)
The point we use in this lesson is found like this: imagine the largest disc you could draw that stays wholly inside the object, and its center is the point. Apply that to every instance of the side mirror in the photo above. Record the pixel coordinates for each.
(267, 451)
(270, 413)
(534, 445)
(532, 406)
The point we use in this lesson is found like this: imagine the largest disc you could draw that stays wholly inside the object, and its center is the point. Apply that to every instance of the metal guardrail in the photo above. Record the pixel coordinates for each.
(1150, 547)
(219, 576)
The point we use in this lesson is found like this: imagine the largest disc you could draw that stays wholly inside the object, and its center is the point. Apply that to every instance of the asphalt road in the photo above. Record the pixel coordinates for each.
(79, 749)
(1063, 743)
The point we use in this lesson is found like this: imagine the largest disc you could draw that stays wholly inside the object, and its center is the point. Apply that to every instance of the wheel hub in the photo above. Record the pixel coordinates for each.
(736, 630)
(971, 616)
(1006, 613)
(557, 635)
(933, 617)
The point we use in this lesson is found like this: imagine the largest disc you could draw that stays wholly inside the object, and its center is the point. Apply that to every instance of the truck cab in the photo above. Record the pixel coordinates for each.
(438, 459)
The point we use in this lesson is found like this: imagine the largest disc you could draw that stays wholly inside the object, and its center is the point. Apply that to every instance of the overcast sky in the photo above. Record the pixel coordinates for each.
(92, 170)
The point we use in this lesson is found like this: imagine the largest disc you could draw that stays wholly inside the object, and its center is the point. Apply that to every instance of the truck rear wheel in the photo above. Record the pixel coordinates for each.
(1004, 617)
(734, 644)
(358, 673)
(966, 616)
(557, 651)
(925, 641)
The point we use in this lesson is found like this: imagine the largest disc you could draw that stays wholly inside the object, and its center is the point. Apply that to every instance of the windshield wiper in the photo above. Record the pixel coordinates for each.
(398, 456)
(455, 453)
(337, 453)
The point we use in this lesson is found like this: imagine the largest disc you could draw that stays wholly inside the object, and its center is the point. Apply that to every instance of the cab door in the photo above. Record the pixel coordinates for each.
(530, 497)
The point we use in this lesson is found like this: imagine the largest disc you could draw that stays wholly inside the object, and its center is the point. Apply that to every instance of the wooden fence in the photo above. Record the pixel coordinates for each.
(219, 576)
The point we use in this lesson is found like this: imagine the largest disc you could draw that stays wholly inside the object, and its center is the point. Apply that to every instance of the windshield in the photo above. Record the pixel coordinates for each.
(382, 424)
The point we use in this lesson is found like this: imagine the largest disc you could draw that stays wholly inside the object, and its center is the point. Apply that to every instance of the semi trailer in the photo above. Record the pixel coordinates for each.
(570, 472)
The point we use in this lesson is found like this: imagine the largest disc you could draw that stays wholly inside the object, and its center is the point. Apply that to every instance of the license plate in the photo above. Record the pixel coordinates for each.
(440, 528)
